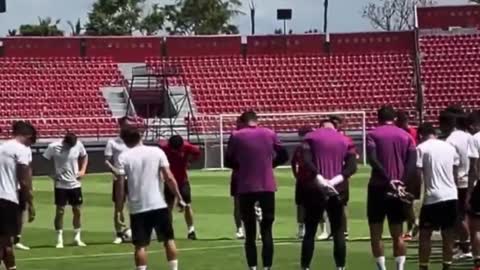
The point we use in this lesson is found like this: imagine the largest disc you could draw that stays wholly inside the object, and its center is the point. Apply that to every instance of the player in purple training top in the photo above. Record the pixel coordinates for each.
(332, 158)
(392, 155)
(233, 192)
(252, 152)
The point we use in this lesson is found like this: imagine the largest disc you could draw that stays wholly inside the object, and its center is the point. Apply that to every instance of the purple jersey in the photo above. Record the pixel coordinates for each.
(329, 149)
(391, 145)
(252, 150)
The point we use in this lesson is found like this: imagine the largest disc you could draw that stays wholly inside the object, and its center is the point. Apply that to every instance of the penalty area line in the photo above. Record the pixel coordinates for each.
(105, 255)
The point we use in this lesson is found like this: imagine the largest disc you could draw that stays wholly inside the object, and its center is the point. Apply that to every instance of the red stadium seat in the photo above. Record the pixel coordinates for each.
(52, 92)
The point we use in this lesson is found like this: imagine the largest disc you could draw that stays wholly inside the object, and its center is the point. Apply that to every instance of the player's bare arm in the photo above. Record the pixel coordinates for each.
(172, 184)
(24, 174)
(83, 162)
(110, 166)
(119, 193)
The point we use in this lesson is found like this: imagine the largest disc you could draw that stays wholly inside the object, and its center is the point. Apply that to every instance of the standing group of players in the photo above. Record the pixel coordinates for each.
(445, 164)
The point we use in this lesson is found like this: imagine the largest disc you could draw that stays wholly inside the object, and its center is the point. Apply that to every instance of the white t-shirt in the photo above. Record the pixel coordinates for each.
(66, 163)
(437, 158)
(141, 164)
(476, 145)
(464, 144)
(12, 153)
(114, 148)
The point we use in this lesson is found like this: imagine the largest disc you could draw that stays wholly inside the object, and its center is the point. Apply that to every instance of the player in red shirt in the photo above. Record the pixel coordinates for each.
(402, 121)
(180, 153)
(301, 177)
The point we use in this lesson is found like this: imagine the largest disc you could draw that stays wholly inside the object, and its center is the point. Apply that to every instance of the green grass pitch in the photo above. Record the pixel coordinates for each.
(215, 250)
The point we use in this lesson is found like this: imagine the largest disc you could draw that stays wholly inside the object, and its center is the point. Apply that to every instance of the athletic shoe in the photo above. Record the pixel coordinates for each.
(462, 256)
(346, 235)
(240, 234)
(21, 246)
(118, 241)
(192, 236)
(301, 232)
(79, 243)
(59, 245)
(323, 236)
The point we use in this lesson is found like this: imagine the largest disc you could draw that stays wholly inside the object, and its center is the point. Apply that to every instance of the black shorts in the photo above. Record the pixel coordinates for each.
(442, 215)
(143, 224)
(266, 201)
(380, 206)
(475, 202)
(9, 212)
(185, 191)
(114, 190)
(71, 197)
(462, 201)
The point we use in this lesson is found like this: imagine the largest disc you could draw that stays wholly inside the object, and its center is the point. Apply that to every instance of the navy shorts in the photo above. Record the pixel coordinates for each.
(143, 224)
(380, 206)
(64, 197)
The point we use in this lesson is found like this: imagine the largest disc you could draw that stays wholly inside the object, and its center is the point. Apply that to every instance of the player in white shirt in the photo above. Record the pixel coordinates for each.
(437, 165)
(474, 191)
(70, 161)
(15, 170)
(113, 150)
(455, 125)
(147, 170)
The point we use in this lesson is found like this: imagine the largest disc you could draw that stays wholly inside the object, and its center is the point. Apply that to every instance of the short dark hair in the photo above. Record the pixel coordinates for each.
(130, 135)
(386, 113)
(70, 139)
(124, 119)
(248, 116)
(474, 117)
(402, 117)
(462, 121)
(329, 120)
(335, 119)
(426, 129)
(455, 109)
(304, 130)
(23, 128)
(447, 120)
(176, 142)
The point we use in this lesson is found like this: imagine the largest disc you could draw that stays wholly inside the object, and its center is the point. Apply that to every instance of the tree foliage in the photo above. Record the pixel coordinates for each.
(45, 27)
(206, 17)
(393, 15)
(475, 1)
(114, 17)
(76, 29)
(153, 21)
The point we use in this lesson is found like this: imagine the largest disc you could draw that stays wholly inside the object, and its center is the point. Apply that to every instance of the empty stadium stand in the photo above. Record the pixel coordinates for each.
(277, 84)
(58, 94)
(450, 68)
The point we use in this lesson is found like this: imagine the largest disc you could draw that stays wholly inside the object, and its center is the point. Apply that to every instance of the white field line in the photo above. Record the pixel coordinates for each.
(104, 255)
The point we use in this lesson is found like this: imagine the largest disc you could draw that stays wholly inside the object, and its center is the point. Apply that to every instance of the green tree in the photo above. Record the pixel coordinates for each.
(206, 17)
(153, 21)
(475, 1)
(45, 27)
(114, 17)
(76, 29)
(392, 15)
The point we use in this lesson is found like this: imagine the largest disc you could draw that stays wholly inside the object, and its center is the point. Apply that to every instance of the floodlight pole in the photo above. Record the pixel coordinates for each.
(284, 27)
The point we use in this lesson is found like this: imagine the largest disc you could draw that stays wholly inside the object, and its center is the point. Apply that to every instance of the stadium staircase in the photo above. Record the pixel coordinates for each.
(286, 84)
(58, 94)
(450, 70)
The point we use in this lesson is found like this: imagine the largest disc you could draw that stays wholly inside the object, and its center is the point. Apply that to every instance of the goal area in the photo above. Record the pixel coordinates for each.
(286, 125)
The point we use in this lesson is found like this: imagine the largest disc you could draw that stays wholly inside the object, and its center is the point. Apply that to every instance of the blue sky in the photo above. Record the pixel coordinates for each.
(345, 15)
